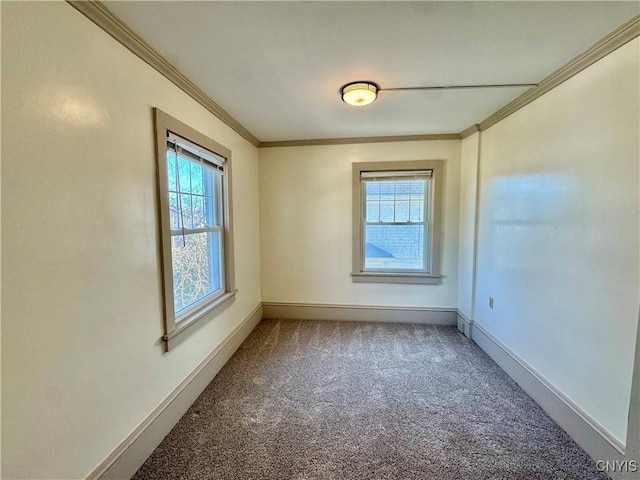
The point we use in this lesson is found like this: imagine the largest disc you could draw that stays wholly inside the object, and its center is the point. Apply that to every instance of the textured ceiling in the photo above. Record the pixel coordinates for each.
(277, 67)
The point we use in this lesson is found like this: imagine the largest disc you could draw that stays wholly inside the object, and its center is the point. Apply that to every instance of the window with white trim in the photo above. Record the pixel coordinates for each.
(193, 174)
(397, 221)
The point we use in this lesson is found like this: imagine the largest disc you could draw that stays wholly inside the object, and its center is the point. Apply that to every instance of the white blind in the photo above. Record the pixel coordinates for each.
(196, 152)
(386, 176)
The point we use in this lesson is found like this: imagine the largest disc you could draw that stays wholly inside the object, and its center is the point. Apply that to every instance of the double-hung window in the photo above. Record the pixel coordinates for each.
(193, 177)
(397, 211)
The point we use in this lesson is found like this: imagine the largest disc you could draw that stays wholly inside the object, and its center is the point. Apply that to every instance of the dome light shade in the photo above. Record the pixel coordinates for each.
(359, 93)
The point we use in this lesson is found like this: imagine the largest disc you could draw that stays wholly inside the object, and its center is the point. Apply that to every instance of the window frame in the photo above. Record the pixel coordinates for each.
(207, 307)
(434, 245)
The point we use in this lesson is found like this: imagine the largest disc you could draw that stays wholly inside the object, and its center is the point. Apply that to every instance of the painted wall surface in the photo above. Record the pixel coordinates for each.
(558, 237)
(82, 360)
(306, 225)
(468, 189)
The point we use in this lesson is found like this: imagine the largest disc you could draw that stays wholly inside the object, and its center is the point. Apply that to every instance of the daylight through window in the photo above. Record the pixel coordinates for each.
(397, 221)
(197, 258)
(195, 203)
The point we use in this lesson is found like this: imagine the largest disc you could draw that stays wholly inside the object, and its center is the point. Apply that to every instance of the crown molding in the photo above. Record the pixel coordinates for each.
(103, 18)
(620, 36)
(470, 130)
(351, 140)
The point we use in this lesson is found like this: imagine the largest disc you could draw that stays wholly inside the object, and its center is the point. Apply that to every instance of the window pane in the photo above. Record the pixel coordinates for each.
(372, 190)
(185, 204)
(197, 205)
(403, 189)
(215, 240)
(399, 200)
(373, 211)
(196, 178)
(174, 213)
(184, 183)
(417, 189)
(402, 211)
(196, 262)
(386, 190)
(417, 211)
(171, 171)
(394, 247)
(386, 211)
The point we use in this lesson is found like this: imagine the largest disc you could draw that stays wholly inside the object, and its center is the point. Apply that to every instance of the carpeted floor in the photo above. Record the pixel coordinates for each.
(350, 400)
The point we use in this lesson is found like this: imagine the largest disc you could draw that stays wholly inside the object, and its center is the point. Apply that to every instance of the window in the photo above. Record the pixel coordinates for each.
(194, 191)
(396, 220)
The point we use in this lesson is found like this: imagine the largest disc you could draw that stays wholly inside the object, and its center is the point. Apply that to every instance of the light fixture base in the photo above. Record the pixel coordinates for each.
(359, 93)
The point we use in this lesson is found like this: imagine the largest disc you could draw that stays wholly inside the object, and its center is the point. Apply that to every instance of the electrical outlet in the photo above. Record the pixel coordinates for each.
(490, 302)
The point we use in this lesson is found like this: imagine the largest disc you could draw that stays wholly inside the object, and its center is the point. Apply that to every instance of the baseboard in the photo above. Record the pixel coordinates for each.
(362, 313)
(127, 458)
(587, 433)
(465, 324)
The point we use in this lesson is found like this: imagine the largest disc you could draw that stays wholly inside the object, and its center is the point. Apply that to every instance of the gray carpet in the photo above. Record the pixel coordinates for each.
(349, 400)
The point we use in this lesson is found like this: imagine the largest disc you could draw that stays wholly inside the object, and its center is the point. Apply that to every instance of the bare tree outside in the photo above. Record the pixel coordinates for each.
(193, 190)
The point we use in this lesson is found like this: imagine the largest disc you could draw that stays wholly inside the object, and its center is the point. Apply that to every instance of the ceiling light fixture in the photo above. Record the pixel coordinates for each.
(363, 93)
(359, 93)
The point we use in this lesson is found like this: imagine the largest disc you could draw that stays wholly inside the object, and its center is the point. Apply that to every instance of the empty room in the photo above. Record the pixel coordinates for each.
(320, 240)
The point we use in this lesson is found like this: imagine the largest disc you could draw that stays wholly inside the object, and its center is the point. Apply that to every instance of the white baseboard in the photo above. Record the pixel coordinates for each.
(363, 313)
(127, 458)
(465, 325)
(592, 437)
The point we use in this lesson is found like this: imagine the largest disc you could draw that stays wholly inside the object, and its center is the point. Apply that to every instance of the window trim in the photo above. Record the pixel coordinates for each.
(175, 326)
(434, 276)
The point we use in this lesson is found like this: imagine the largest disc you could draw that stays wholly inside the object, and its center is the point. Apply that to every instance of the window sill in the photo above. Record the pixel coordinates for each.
(394, 277)
(208, 310)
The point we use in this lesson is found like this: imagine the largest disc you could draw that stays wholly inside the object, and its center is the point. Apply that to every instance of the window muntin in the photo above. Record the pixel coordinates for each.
(395, 220)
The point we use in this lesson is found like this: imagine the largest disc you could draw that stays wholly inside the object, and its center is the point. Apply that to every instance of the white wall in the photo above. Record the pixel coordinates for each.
(306, 231)
(558, 238)
(82, 364)
(468, 184)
